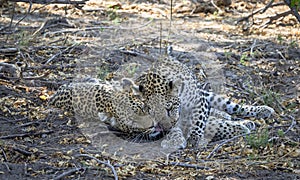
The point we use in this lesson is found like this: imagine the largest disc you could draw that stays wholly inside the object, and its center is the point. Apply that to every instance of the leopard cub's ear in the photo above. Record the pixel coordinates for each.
(129, 86)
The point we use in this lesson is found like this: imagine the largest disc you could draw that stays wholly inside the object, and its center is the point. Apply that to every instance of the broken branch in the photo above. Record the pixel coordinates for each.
(67, 173)
(25, 135)
(100, 162)
(261, 10)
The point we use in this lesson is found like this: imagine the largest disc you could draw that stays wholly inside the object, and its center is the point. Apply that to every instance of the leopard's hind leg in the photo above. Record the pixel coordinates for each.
(219, 129)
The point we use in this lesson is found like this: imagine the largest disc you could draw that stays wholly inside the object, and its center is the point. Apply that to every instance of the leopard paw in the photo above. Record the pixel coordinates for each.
(197, 142)
(264, 112)
(174, 140)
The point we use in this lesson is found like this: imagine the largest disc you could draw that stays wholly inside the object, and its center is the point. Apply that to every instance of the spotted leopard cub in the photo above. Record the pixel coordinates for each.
(117, 106)
(196, 105)
(101, 100)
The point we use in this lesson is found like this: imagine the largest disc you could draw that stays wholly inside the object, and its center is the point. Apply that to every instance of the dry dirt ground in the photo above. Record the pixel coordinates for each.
(254, 61)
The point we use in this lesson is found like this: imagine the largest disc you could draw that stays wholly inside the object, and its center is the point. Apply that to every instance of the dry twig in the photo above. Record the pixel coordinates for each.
(134, 53)
(28, 12)
(195, 166)
(9, 68)
(293, 123)
(219, 9)
(261, 10)
(25, 135)
(22, 151)
(294, 8)
(101, 162)
(224, 142)
(13, 121)
(5, 159)
(8, 51)
(60, 53)
(273, 18)
(70, 30)
(67, 173)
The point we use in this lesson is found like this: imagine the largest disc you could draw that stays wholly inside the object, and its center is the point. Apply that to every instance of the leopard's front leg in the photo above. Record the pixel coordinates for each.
(199, 116)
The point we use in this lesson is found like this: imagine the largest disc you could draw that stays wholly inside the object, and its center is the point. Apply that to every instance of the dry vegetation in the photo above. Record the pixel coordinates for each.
(254, 59)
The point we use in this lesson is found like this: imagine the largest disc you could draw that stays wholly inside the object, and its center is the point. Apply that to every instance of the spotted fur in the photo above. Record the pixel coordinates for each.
(169, 77)
(101, 101)
(121, 109)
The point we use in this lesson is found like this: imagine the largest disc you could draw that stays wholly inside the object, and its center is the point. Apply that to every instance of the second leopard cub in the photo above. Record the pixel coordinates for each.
(195, 105)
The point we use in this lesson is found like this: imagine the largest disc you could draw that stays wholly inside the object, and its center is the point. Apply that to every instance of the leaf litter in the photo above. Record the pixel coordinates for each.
(261, 66)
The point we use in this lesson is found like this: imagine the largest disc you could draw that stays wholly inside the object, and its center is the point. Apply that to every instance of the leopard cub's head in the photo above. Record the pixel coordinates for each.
(160, 97)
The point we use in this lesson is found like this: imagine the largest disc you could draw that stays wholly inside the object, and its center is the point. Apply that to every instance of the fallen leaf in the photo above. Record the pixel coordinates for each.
(43, 97)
